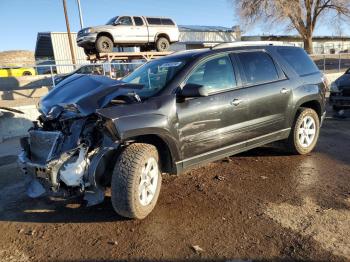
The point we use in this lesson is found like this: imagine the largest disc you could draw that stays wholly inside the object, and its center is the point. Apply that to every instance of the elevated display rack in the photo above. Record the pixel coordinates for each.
(127, 56)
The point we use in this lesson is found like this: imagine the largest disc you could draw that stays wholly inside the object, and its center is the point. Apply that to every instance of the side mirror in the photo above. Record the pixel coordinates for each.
(193, 90)
(116, 23)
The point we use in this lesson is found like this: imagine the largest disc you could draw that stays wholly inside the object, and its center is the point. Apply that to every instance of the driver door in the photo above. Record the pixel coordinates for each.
(125, 30)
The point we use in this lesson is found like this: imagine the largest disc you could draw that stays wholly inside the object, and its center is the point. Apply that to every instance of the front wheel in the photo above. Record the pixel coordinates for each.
(104, 44)
(136, 181)
(305, 132)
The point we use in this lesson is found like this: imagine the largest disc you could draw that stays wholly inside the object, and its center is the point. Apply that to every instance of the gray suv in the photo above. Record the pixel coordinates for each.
(168, 116)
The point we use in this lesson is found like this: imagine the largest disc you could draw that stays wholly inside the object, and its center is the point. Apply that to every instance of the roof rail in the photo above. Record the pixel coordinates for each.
(251, 43)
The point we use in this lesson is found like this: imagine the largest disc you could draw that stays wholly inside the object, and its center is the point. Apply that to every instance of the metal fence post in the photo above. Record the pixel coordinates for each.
(324, 63)
(52, 77)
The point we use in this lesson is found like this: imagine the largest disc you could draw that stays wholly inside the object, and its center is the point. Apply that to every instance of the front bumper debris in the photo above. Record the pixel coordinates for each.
(61, 174)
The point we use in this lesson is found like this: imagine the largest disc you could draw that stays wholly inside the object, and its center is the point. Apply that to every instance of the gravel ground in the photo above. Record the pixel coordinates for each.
(257, 206)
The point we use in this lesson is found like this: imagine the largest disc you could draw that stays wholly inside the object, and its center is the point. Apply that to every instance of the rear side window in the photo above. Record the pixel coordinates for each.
(166, 21)
(138, 21)
(258, 67)
(154, 21)
(298, 60)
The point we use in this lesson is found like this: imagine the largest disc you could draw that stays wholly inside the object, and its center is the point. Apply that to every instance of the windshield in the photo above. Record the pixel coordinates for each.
(155, 75)
(112, 20)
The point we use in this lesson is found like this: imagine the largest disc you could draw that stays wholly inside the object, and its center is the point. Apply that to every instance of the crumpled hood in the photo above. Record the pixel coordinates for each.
(343, 81)
(86, 92)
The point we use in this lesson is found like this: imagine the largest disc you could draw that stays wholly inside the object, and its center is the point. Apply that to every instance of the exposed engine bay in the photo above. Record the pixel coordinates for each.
(70, 145)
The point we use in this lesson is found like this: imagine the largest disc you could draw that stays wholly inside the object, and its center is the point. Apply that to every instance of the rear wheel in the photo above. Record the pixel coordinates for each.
(136, 181)
(162, 44)
(305, 132)
(104, 44)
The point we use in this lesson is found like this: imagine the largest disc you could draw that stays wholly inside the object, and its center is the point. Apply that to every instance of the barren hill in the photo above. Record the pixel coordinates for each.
(17, 58)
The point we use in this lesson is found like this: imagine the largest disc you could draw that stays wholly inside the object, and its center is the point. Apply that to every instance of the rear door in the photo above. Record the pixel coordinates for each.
(267, 93)
(141, 30)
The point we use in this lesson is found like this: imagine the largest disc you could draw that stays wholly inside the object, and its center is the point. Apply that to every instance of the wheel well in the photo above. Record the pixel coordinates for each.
(165, 156)
(163, 35)
(105, 34)
(315, 105)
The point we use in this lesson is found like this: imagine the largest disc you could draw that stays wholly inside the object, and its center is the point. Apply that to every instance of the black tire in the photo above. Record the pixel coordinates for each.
(90, 51)
(126, 181)
(146, 48)
(162, 44)
(337, 108)
(293, 142)
(27, 73)
(104, 44)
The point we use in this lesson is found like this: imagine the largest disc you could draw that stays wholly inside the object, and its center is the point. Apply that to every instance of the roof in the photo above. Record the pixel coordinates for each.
(291, 37)
(204, 28)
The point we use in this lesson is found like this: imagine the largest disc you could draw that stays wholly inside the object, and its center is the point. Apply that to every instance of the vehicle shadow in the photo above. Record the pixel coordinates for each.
(50, 210)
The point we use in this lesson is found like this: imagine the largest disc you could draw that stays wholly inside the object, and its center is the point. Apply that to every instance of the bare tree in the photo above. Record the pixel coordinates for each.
(301, 15)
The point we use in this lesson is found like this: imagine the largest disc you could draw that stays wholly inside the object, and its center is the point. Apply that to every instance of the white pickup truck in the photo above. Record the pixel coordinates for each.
(128, 31)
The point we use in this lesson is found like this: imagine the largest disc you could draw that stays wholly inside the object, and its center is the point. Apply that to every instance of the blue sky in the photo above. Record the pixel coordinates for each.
(20, 20)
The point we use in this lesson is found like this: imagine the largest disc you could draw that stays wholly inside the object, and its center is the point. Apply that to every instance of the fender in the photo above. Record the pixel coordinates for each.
(150, 125)
(156, 117)
(305, 94)
(161, 33)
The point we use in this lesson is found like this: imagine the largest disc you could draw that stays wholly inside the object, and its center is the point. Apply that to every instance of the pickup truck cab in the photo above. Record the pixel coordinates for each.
(129, 31)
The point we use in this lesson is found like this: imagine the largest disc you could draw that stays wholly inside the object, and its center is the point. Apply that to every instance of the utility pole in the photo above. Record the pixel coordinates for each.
(80, 15)
(68, 31)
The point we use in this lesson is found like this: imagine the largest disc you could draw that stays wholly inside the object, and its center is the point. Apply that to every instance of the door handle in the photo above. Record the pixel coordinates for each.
(236, 102)
(284, 91)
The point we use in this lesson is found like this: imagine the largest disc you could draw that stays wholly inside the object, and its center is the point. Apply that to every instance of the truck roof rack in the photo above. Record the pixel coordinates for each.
(250, 43)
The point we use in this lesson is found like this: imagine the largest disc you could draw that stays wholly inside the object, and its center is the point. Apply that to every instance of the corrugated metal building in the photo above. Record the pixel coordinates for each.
(54, 46)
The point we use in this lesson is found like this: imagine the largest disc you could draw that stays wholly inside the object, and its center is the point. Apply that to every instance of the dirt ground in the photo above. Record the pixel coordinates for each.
(257, 206)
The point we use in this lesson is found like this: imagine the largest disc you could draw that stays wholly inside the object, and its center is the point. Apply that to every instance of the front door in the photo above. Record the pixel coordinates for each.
(125, 30)
(206, 124)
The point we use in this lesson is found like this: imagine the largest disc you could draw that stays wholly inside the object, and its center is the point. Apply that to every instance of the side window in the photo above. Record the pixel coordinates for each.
(258, 67)
(299, 60)
(167, 21)
(154, 21)
(125, 20)
(138, 21)
(216, 74)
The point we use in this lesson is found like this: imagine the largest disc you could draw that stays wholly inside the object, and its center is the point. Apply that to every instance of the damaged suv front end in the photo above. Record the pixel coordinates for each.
(69, 146)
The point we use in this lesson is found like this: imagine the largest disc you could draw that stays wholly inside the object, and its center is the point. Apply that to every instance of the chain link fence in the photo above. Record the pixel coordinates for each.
(332, 63)
(46, 72)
